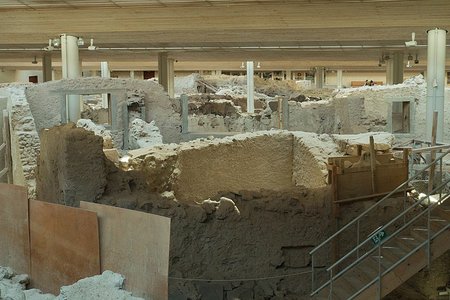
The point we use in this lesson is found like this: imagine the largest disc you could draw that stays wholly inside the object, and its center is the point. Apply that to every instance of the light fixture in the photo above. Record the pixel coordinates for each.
(92, 47)
(412, 42)
(56, 42)
(34, 61)
(50, 46)
(242, 65)
(258, 65)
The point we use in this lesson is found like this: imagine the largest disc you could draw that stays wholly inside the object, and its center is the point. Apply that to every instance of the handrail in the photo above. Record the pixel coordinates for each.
(378, 203)
(390, 223)
(368, 253)
(357, 219)
(390, 236)
(403, 258)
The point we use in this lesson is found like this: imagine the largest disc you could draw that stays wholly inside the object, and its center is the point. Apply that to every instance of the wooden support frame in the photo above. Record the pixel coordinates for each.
(376, 177)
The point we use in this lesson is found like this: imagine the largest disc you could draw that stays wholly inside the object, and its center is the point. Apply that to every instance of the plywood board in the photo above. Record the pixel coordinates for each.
(136, 245)
(14, 235)
(355, 184)
(64, 245)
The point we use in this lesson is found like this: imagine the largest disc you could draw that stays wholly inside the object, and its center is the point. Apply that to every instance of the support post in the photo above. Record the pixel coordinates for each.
(285, 110)
(184, 113)
(47, 67)
(436, 81)
(432, 169)
(71, 68)
(394, 69)
(373, 163)
(280, 113)
(339, 78)
(166, 73)
(319, 77)
(288, 74)
(250, 88)
(105, 73)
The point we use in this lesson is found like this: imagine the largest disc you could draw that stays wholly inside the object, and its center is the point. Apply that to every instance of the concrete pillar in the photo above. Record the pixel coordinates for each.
(250, 87)
(166, 73)
(47, 67)
(339, 78)
(105, 73)
(436, 81)
(288, 75)
(319, 77)
(394, 69)
(71, 68)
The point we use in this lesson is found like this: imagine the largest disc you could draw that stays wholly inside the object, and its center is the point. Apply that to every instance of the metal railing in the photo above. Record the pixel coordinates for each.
(333, 271)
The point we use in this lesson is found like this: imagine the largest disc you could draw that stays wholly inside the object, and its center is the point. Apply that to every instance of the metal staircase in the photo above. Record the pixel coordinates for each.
(386, 256)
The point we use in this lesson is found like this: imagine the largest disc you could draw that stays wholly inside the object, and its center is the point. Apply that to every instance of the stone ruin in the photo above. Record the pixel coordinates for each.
(246, 209)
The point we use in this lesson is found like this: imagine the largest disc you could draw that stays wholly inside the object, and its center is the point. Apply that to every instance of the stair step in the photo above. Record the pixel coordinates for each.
(407, 243)
(367, 270)
(441, 212)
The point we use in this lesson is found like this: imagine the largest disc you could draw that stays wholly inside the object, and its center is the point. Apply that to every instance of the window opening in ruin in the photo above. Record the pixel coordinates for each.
(401, 117)
(95, 110)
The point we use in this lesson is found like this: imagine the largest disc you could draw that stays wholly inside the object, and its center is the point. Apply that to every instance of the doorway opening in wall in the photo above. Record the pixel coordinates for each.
(401, 119)
(33, 79)
(96, 107)
(149, 75)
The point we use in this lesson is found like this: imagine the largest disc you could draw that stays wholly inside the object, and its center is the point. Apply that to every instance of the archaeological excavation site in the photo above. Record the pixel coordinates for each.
(224, 150)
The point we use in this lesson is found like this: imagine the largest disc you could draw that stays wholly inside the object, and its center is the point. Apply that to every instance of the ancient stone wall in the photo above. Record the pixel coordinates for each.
(25, 142)
(46, 101)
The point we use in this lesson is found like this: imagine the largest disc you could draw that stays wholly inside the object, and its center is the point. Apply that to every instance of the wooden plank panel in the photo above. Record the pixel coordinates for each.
(136, 245)
(14, 235)
(64, 245)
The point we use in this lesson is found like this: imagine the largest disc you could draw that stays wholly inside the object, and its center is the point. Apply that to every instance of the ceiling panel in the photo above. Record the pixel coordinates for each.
(304, 31)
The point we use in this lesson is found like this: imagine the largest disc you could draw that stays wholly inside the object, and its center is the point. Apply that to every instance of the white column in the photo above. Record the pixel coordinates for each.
(319, 77)
(394, 69)
(339, 78)
(436, 81)
(105, 73)
(166, 72)
(71, 68)
(250, 87)
(288, 75)
(47, 67)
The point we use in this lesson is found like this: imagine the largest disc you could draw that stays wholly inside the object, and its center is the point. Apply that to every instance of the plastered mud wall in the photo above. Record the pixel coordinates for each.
(46, 99)
(71, 166)
(263, 161)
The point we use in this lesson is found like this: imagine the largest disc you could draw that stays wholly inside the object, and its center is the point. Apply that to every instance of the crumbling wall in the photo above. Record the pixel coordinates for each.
(271, 160)
(241, 163)
(25, 142)
(343, 111)
(71, 166)
(248, 227)
(46, 99)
